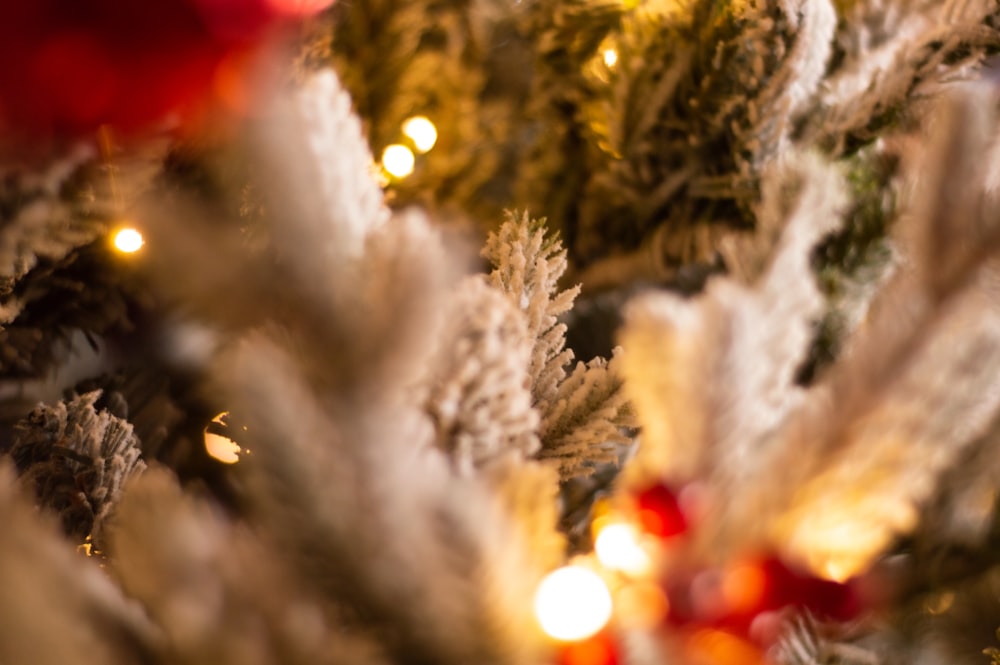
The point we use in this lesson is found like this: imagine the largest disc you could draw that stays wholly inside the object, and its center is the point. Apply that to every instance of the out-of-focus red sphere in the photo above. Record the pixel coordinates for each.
(69, 66)
(659, 511)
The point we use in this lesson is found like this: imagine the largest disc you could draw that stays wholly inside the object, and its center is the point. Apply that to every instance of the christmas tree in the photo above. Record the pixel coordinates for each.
(500, 331)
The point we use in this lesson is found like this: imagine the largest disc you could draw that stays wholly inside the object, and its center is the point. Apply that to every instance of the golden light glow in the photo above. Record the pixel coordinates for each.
(398, 160)
(840, 551)
(721, 648)
(572, 603)
(642, 604)
(220, 447)
(422, 132)
(86, 547)
(617, 547)
(847, 537)
(610, 57)
(128, 240)
(743, 585)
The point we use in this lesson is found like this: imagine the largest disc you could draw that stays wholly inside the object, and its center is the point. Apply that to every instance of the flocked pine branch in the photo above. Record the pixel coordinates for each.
(60, 593)
(75, 460)
(892, 57)
(893, 396)
(713, 376)
(807, 641)
(191, 568)
(342, 450)
(480, 391)
(583, 416)
(527, 264)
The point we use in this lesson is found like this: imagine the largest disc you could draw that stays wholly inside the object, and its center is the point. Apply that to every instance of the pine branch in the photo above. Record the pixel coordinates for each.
(589, 422)
(76, 461)
(892, 56)
(480, 397)
(713, 376)
(528, 263)
(904, 389)
(60, 593)
(215, 590)
(583, 416)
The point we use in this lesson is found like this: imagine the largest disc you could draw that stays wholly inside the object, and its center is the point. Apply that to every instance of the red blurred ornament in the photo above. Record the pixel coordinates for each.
(659, 511)
(790, 586)
(598, 649)
(70, 66)
(742, 594)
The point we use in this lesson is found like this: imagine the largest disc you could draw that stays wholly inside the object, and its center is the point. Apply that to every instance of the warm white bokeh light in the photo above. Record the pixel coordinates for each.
(220, 447)
(617, 547)
(128, 240)
(422, 132)
(572, 603)
(610, 57)
(398, 160)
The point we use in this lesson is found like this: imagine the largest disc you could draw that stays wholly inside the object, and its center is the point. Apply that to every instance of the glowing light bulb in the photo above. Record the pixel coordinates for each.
(398, 160)
(572, 603)
(617, 547)
(610, 57)
(422, 132)
(220, 447)
(128, 240)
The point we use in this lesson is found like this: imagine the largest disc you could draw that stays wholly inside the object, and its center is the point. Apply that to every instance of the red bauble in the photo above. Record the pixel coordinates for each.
(659, 512)
(70, 66)
(741, 594)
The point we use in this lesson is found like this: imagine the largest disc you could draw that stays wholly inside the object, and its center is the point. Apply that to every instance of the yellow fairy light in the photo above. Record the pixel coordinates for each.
(422, 132)
(86, 547)
(220, 447)
(617, 547)
(128, 240)
(398, 160)
(572, 603)
(610, 57)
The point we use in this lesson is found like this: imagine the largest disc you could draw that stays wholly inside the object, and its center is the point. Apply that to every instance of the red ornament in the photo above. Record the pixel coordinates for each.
(659, 512)
(744, 598)
(73, 65)
(598, 649)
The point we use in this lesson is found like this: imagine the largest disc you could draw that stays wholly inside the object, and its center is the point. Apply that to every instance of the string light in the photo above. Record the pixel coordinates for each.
(572, 603)
(86, 547)
(398, 160)
(128, 240)
(617, 547)
(422, 132)
(220, 447)
(610, 57)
